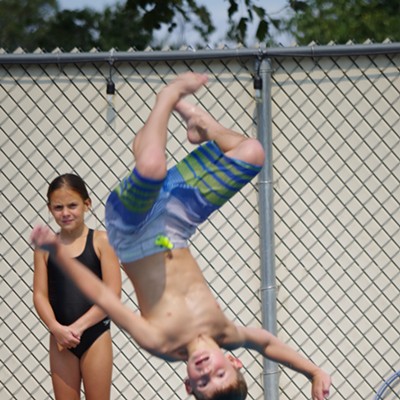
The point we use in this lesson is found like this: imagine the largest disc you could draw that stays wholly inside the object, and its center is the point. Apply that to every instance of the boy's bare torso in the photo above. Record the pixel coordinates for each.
(174, 297)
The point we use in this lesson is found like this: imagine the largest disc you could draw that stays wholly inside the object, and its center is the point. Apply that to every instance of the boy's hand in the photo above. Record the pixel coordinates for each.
(44, 238)
(321, 383)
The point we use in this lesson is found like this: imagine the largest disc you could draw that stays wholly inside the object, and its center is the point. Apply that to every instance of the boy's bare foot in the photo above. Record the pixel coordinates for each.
(201, 126)
(187, 83)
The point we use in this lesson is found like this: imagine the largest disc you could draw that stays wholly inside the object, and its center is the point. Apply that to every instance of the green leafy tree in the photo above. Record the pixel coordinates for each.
(239, 22)
(150, 16)
(69, 29)
(31, 24)
(180, 15)
(23, 22)
(339, 21)
(122, 28)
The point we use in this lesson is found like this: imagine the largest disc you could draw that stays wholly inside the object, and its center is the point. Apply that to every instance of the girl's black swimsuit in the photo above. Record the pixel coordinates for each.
(67, 300)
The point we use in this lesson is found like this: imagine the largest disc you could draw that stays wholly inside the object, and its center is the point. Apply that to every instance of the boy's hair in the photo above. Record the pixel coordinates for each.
(236, 391)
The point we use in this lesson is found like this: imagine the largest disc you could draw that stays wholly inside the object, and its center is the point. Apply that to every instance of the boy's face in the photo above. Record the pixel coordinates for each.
(209, 371)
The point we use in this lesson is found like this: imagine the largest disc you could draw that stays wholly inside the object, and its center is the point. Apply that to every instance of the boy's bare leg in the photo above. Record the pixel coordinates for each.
(150, 142)
(201, 127)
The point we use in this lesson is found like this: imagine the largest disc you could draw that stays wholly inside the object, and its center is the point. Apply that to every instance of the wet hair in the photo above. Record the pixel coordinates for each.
(236, 391)
(70, 181)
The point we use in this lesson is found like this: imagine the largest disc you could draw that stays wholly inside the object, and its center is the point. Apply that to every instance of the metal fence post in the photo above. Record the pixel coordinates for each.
(267, 254)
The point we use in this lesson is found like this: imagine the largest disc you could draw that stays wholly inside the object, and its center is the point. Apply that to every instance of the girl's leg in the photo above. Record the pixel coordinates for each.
(201, 126)
(150, 142)
(65, 373)
(96, 368)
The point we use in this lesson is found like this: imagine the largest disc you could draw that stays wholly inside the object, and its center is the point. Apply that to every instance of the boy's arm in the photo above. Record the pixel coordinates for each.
(272, 348)
(99, 293)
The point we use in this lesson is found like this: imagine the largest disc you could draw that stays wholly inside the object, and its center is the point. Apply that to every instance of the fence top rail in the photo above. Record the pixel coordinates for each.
(114, 56)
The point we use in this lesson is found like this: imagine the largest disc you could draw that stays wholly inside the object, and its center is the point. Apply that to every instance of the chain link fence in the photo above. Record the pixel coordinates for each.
(335, 128)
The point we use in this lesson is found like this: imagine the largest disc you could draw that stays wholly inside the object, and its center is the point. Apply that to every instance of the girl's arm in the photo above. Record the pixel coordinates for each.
(97, 291)
(64, 335)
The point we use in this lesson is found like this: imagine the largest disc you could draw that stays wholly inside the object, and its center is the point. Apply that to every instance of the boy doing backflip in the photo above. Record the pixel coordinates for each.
(150, 217)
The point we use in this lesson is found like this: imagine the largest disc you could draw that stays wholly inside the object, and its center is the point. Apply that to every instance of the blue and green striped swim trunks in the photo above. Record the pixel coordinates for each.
(140, 211)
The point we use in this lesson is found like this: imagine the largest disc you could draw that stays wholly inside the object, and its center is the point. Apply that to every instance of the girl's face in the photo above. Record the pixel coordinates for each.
(68, 209)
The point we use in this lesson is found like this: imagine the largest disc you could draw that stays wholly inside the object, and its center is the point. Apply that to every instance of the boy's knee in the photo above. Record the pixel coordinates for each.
(253, 151)
(152, 165)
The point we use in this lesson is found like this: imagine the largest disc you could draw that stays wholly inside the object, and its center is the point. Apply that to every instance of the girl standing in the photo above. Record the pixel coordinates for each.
(80, 340)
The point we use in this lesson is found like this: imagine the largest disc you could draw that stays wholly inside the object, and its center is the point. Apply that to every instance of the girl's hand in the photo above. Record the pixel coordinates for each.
(76, 332)
(65, 337)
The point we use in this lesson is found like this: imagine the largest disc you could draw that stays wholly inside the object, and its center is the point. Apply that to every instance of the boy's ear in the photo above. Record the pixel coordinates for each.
(188, 387)
(235, 362)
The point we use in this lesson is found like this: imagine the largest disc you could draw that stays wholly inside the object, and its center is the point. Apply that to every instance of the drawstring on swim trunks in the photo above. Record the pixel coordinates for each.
(163, 241)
